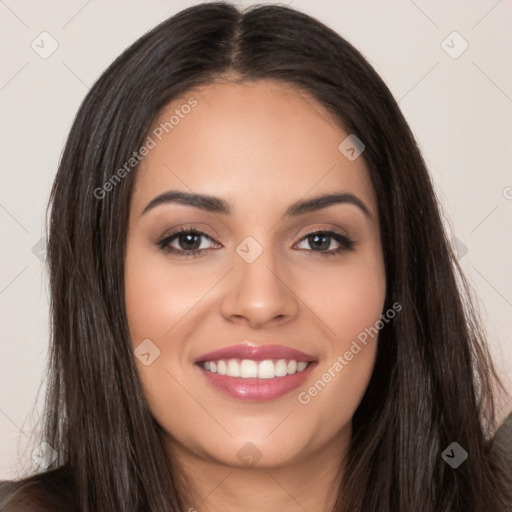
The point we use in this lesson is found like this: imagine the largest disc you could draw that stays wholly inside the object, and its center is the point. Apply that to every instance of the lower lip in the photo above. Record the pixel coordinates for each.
(257, 389)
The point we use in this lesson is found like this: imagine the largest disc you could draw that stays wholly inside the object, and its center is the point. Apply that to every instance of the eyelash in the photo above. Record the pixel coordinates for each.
(347, 244)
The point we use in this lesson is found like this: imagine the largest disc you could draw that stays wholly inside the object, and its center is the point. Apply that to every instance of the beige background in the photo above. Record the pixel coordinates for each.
(459, 109)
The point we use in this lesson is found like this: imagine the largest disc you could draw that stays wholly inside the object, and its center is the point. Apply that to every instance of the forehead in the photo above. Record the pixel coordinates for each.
(260, 140)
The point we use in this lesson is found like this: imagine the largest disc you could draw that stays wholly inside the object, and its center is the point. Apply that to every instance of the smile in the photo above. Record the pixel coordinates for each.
(255, 372)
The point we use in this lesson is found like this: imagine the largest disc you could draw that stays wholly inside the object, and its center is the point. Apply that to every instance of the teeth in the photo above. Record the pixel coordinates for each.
(247, 368)
(266, 369)
(281, 368)
(233, 369)
(301, 366)
(221, 368)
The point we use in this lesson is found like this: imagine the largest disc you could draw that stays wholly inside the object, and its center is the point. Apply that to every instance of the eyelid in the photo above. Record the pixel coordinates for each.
(326, 228)
(185, 228)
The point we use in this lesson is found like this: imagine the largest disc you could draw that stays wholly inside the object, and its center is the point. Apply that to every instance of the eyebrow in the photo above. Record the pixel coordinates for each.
(216, 205)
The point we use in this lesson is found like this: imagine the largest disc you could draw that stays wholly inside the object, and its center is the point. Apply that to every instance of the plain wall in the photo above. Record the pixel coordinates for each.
(459, 109)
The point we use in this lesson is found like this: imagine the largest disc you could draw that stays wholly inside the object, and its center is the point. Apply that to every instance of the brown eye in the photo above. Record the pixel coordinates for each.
(189, 241)
(184, 242)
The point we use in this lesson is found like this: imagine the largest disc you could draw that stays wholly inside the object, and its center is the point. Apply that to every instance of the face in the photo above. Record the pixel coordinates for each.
(276, 280)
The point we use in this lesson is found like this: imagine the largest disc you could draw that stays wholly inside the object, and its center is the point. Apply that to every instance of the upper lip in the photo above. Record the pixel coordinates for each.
(255, 352)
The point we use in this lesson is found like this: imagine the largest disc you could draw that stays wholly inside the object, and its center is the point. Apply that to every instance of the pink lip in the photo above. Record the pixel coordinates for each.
(253, 388)
(257, 389)
(256, 353)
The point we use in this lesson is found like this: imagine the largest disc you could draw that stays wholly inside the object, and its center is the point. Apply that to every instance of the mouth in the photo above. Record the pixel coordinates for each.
(257, 373)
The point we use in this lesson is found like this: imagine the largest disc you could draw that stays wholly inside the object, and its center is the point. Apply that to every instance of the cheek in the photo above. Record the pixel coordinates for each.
(158, 295)
(160, 300)
(348, 297)
(354, 302)
(350, 302)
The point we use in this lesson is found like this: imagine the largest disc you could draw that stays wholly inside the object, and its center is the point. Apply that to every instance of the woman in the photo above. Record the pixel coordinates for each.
(254, 303)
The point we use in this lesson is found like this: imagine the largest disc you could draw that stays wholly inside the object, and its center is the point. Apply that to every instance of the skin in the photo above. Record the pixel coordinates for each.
(261, 146)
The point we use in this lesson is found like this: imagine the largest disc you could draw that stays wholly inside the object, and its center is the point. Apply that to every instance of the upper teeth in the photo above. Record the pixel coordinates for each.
(247, 368)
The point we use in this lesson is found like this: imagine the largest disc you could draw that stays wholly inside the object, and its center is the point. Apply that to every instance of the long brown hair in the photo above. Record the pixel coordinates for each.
(433, 378)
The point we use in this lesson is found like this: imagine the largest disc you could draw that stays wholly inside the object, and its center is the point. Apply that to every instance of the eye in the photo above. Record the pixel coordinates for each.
(184, 242)
(322, 239)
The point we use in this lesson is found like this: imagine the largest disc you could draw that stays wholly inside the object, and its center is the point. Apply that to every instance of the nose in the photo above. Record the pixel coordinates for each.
(259, 293)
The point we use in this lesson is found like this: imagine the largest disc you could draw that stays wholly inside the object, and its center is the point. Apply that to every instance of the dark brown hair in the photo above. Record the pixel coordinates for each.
(433, 378)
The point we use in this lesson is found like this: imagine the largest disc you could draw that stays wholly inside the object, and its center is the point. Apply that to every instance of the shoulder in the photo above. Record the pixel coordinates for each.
(48, 491)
